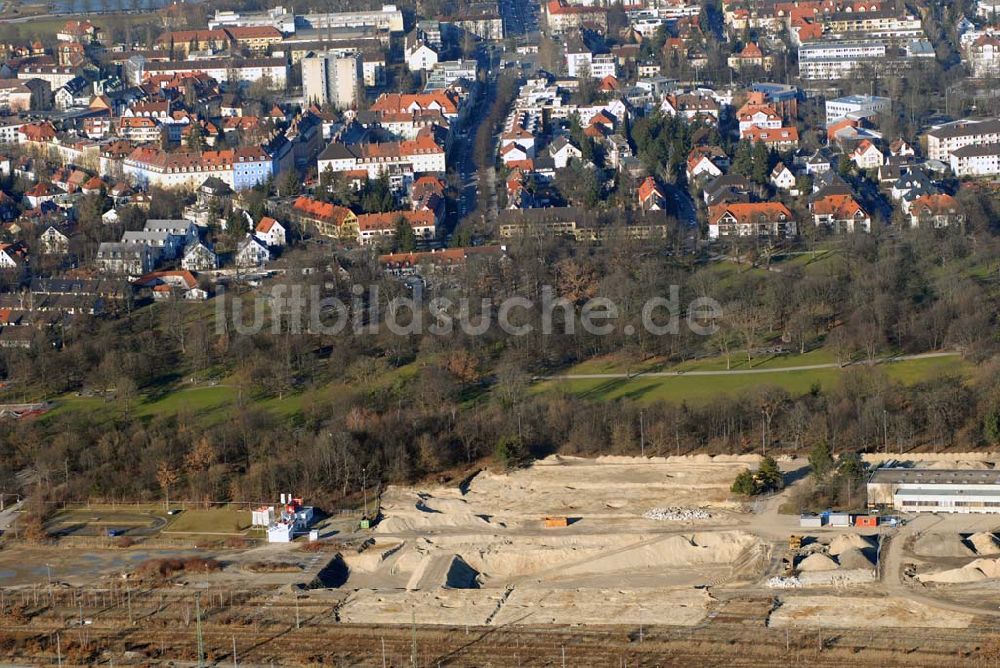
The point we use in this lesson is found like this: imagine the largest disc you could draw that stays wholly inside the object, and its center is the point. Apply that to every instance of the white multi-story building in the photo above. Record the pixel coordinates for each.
(976, 160)
(988, 9)
(421, 155)
(334, 79)
(853, 104)
(944, 139)
(239, 168)
(835, 60)
(225, 70)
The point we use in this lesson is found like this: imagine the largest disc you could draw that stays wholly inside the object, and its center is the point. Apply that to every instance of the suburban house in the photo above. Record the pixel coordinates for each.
(562, 152)
(252, 253)
(782, 178)
(53, 241)
(170, 284)
(937, 210)
(867, 156)
(651, 197)
(271, 232)
(840, 213)
(125, 259)
(749, 219)
(781, 139)
(701, 165)
(199, 257)
(13, 255)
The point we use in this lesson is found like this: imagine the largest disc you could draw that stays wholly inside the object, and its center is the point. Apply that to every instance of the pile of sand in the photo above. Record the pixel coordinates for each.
(948, 465)
(849, 541)
(984, 543)
(817, 562)
(974, 571)
(941, 545)
(866, 613)
(854, 559)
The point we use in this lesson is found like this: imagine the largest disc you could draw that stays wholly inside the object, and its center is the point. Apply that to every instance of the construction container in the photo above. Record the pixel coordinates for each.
(556, 522)
(794, 542)
(866, 521)
(811, 521)
(840, 519)
(313, 535)
(365, 524)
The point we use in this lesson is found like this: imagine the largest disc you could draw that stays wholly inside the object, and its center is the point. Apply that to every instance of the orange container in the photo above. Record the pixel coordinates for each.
(865, 521)
(554, 522)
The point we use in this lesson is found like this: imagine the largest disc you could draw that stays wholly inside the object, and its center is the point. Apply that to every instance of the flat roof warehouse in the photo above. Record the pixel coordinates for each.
(930, 490)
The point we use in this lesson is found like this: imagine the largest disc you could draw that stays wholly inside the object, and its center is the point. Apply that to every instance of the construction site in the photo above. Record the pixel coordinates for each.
(603, 562)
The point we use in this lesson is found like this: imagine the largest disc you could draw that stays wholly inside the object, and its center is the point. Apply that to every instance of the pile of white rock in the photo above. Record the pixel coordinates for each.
(784, 583)
(674, 514)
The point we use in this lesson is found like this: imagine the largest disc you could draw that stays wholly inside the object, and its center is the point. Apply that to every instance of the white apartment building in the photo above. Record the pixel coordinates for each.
(944, 139)
(225, 70)
(836, 60)
(976, 160)
(421, 155)
(334, 79)
(852, 104)
(598, 66)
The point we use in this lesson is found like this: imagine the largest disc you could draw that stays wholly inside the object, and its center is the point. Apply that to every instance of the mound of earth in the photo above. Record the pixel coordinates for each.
(849, 541)
(817, 562)
(854, 559)
(941, 545)
(984, 543)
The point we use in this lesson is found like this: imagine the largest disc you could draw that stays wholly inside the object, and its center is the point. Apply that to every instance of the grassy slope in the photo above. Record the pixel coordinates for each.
(700, 389)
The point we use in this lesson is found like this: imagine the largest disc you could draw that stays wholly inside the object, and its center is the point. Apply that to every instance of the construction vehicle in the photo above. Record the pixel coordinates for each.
(794, 542)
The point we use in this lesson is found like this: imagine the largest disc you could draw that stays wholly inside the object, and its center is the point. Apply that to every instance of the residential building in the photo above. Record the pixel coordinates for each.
(840, 213)
(421, 155)
(125, 259)
(938, 210)
(976, 160)
(867, 156)
(270, 232)
(419, 56)
(328, 219)
(562, 17)
(15, 96)
(251, 252)
(944, 139)
(53, 241)
(750, 219)
(199, 257)
(332, 79)
(239, 168)
(780, 139)
(651, 197)
(233, 71)
(782, 178)
(376, 227)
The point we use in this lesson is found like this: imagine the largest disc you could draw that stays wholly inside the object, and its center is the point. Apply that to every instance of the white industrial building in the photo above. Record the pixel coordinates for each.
(935, 490)
(281, 527)
(854, 104)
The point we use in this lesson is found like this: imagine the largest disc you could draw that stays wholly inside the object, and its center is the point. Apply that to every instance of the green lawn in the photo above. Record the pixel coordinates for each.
(210, 521)
(701, 389)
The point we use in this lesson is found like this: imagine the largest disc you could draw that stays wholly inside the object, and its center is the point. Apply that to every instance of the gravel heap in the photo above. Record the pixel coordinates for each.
(675, 514)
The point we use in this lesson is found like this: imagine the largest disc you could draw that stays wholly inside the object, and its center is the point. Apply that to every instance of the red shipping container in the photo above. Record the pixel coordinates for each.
(865, 521)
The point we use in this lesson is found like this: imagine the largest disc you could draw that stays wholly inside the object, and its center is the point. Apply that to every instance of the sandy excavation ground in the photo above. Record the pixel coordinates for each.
(854, 612)
(481, 554)
(601, 490)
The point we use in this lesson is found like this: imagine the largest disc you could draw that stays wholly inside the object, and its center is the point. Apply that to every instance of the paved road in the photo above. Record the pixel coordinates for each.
(737, 372)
